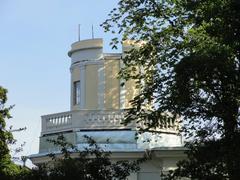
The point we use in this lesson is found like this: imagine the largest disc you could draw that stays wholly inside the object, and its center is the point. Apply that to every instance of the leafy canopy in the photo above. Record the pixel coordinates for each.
(92, 163)
(7, 167)
(190, 66)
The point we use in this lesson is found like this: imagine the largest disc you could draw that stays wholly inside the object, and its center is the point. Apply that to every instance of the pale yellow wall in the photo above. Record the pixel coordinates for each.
(75, 77)
(112, 84)
(130, 92)
(130, 85)
(91, 101)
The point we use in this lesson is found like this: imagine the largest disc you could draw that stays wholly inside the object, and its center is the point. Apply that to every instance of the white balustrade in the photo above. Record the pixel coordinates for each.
(111, 118)
(90, 119)
(61, 120)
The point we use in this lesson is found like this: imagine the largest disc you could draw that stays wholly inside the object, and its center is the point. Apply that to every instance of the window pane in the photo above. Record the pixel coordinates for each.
(149, 175)
(76, 94)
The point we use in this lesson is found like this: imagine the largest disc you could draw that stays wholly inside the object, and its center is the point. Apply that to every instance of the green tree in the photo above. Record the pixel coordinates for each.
(92, 163)
(7, 168)
(190, 66)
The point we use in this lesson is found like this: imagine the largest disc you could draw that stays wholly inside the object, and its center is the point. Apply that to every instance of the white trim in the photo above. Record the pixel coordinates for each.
(87, 62)
(122, 90)
(82, 86)
(101, 86)
(71, 89)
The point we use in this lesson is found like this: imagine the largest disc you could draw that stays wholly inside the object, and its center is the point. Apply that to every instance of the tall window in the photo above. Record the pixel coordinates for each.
(76, 92)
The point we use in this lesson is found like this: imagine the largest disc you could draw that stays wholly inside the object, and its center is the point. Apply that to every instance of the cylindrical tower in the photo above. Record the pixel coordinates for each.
(94, 78)
(86, 71)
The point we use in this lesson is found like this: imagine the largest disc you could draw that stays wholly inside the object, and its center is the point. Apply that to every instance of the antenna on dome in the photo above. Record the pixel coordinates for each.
(79, 32)
(92, 32)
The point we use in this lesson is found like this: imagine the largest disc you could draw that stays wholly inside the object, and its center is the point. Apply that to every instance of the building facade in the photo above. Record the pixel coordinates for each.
(97, 109)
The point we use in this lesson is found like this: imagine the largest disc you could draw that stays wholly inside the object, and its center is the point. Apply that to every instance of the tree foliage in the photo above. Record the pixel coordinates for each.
(92, 163)
(7, 167)
(190, 66)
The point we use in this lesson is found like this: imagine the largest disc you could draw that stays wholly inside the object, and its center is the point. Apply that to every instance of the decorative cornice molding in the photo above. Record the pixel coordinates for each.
(82, 64)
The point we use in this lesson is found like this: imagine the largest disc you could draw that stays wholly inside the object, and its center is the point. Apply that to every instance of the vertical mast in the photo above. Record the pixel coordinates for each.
(79, 32)
(92, 32)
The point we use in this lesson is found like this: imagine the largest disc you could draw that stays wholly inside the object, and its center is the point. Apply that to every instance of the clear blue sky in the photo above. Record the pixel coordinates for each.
(35, 36)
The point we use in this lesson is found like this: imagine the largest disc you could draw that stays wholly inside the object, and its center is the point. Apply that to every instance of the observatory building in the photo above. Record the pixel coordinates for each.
(97, 103)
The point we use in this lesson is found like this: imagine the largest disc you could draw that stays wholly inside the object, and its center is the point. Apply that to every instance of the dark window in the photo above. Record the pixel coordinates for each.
(76, 92)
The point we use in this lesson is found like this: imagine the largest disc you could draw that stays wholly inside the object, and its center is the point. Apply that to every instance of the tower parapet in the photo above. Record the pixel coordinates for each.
(90, 49)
